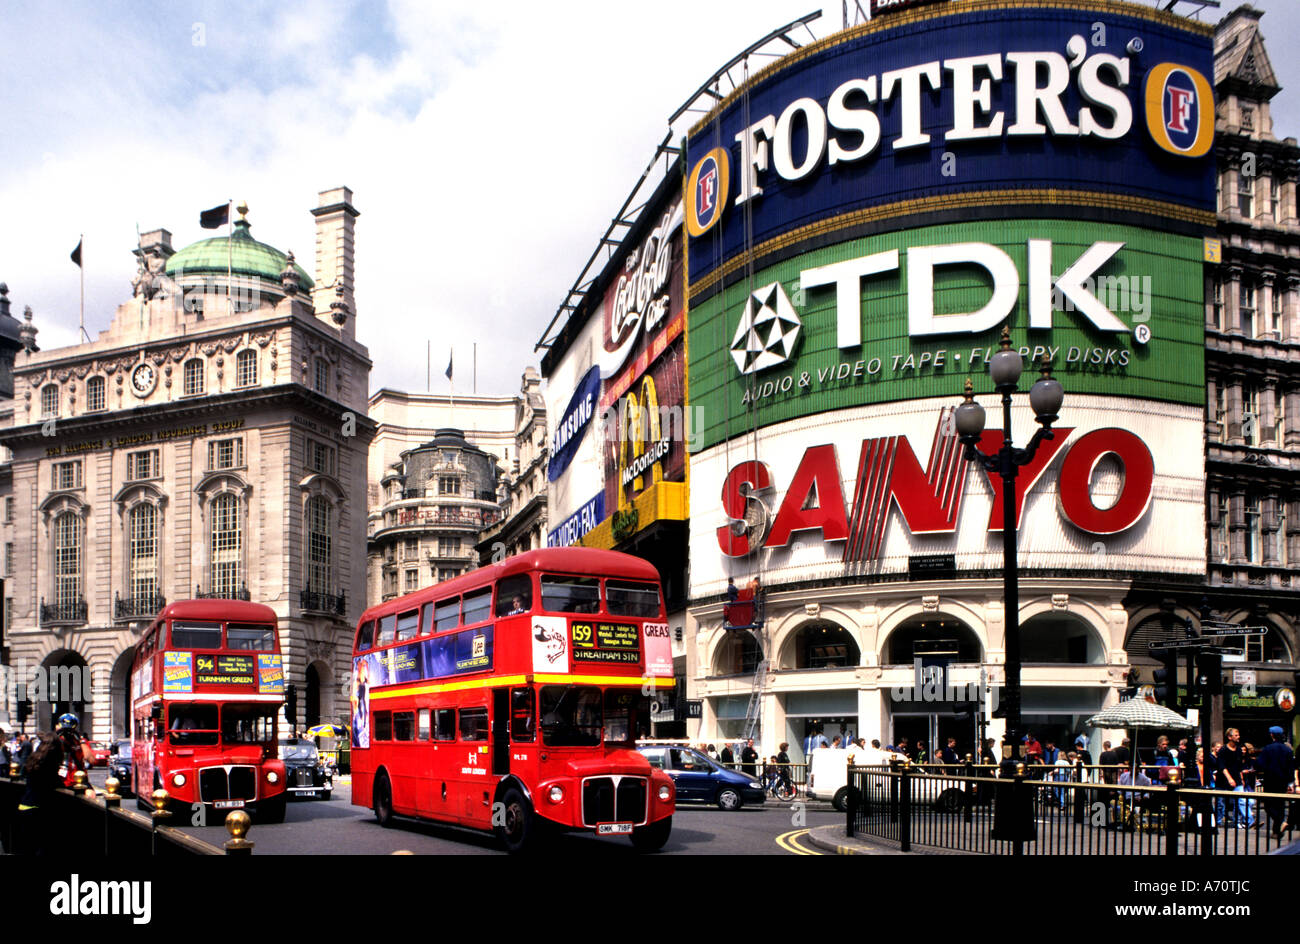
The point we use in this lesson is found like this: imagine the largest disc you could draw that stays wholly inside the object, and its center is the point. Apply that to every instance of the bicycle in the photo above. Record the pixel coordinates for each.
(780, 787)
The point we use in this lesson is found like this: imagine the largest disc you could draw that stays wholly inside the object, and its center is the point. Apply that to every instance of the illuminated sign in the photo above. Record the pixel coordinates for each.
(224, 670)
(929, 497)
(571, 529)
(573, 424)
(1066, 106)
(640, 301)
(605, 642)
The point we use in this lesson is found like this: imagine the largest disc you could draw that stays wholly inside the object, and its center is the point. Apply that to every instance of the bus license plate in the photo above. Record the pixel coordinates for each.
(228, 804)
(613, 829)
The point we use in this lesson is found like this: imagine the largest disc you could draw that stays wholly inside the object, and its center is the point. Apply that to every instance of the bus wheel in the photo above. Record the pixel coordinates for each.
(651, 837)
(383, 800)
(518, 829)
(272, 810)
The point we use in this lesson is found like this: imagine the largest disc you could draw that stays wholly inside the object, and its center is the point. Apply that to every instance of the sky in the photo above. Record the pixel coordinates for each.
(487, 147)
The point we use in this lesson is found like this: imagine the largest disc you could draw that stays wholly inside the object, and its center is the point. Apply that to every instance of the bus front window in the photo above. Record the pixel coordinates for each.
(192, 725)
(571, 715)
(247, 724)
(627, 716)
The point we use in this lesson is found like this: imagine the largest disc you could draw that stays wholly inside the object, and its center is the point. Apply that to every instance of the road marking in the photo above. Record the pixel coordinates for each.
(789, 842)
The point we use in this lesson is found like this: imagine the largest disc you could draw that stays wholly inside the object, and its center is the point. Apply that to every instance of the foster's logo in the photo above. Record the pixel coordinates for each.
(1179, 110)
(707, 190)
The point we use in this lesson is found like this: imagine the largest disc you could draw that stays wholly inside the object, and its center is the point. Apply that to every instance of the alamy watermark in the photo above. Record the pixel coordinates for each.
(931, 683)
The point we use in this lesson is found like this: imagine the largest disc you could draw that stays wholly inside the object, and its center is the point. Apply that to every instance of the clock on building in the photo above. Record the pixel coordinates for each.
(142, 379)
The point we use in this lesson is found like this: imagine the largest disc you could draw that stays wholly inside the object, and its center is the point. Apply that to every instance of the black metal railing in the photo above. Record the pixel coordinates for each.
(240, 594)
(323, 602)
(980, 810)
(141, 606)
(73, 611)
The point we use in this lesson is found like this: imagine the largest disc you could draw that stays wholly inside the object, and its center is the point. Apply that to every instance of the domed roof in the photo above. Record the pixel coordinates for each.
(246, 256)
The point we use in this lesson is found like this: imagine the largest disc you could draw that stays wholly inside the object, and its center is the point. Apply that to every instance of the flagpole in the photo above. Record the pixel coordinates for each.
(428, 366)
(81, 243)
(230, 236)
(475, 368)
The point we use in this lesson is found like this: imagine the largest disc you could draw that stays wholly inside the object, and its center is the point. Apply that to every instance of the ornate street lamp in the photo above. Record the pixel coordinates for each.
(1045, 397)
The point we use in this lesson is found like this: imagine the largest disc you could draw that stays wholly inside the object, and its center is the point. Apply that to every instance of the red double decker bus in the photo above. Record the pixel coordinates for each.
(207, 684)
(510, 699)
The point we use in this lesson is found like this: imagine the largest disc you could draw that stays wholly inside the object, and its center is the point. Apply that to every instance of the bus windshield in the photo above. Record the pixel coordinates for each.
(571, 715)
(193, 725)
(627, 715)
(247, 724)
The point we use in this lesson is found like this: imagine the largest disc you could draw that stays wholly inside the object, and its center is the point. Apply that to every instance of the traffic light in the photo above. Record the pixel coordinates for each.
(1166, 678)
(23, 709)
(1209, 668)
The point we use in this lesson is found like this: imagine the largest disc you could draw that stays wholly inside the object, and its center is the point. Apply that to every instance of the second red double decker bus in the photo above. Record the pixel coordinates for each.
(207, 684)
(510, 699)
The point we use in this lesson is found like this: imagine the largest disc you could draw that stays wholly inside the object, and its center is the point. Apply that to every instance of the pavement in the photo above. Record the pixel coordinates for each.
(833, 839)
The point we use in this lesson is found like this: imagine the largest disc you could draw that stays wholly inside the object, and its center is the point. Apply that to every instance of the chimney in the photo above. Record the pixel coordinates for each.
(335, 244)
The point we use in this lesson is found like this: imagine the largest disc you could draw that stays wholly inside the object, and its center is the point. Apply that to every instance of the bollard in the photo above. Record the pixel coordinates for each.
(13, 769)
(79, 785)
(112, 800)
(969, 790)
(237, 824)
(160, 815)
(1172, 821)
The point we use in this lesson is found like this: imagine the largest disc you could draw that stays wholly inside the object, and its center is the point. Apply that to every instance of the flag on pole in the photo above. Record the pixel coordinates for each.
(76, 253)
(450, 357)
(215, 218)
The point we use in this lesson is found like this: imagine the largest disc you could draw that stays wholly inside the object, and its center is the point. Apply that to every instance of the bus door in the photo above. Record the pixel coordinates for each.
(500, 732)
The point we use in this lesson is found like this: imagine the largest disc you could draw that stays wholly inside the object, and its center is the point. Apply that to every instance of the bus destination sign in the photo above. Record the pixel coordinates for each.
(606, 642)
(224, 670)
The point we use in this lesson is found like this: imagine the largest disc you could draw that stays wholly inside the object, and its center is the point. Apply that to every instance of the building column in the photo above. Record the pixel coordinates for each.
(1232, 301)
(1290, 316)
(1291, 507)
(1230, 178)
(1267, 414)
(1264, 307)
(1291, 418)
(871, 713)
(1233, 409)
(1212, 431)
(1270, 525)
(1237, 528)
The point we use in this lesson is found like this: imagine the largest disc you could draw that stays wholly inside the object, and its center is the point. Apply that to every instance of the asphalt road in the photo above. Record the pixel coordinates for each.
(336, 827)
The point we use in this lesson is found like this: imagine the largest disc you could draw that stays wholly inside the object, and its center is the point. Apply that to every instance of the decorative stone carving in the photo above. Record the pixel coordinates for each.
(229, 344)
(1060, 601)
(930, 603)
(812, 609)
(63, 375)
(158, 357)
(81, 371)
(262, 340)
(210, 348)
(178, 353)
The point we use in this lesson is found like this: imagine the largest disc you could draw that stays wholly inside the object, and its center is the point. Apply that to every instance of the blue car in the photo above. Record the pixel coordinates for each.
(699, 780)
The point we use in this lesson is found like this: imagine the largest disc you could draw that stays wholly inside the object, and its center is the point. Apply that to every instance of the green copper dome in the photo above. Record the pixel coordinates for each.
(246, 256)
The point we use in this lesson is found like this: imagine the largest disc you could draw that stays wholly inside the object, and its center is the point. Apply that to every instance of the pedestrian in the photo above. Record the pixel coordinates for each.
(1061, 771)
(726, 758)
(949, 755)
(921, 757)
(36, 830)
(1276, 766)
(712, 752)
(1109, 761)
(1082, 753)
(783, 761)
(1050, 754)
(748, 757)
(1232, 765)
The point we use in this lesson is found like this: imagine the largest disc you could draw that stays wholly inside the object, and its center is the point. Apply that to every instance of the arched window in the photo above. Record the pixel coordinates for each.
(49, 401)
(822, 644)
(95, 394)
(738, 655)
(142, 525)
(317, 515)
(936, 635)
(194, 378)
(246, 368)
(227, 546)
(67, 559)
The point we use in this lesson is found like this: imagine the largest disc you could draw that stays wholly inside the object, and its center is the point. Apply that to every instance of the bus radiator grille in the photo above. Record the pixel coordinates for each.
(604, 802)
(221, 783)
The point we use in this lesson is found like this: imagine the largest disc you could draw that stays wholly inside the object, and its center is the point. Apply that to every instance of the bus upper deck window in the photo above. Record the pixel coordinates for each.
(426, 619)
(366, 635)
(407, 624)
(514, 595)
(387, 629)
(191, 635)
(446, 614)
(570, 594)
(625, 598)
(478, 607)
(250, 637)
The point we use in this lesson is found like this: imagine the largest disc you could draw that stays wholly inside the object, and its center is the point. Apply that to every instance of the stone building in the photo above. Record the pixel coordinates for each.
(213, 442)
(1252, 368)
(522, 491)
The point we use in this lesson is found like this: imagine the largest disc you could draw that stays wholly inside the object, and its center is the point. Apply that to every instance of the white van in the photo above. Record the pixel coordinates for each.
(828, 778)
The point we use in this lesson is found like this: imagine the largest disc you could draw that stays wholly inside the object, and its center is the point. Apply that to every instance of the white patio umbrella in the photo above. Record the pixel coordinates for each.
(1139, 714)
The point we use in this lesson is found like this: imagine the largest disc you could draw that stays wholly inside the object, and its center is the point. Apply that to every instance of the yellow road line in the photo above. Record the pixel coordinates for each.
(789, 842)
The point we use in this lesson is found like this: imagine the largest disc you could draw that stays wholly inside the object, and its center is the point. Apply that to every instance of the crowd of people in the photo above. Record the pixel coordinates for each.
(47, 762)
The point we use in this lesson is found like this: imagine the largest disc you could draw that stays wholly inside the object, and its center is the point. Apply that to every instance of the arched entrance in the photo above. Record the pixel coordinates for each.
(1060, 638)
(311, 704)
(928, 713)
(62, 684)
(120, 695)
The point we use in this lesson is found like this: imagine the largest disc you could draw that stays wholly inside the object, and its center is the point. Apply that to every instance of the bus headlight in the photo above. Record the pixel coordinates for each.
(665, 792)
(178, 780)
(272, 777)
(555, 794)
